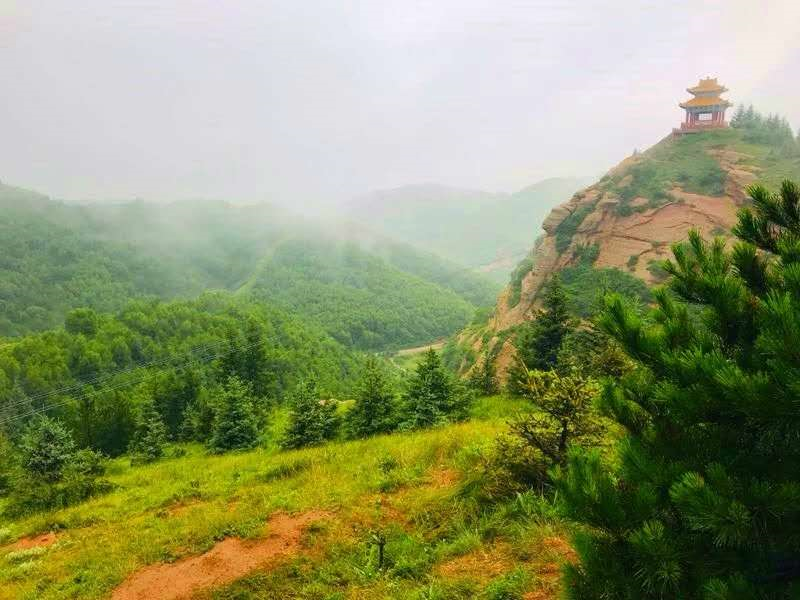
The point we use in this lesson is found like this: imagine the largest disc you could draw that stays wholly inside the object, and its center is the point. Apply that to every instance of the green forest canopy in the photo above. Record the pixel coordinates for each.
(55, 257)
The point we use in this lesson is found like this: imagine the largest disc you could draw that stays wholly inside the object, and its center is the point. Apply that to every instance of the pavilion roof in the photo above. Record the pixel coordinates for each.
(704, 101)
(707, 85)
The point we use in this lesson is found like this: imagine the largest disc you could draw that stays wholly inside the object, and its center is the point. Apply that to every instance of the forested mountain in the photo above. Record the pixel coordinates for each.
(483, 231)
(57, 256)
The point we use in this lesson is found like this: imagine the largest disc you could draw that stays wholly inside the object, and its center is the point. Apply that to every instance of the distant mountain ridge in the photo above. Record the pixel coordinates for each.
(367, 291)
(484, 231)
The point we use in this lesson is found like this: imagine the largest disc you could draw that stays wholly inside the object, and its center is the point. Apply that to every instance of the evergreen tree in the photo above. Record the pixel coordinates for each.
(8, 464)
(703, 497)
(150, 435)
(593, 353)
(312, 421)
(47, 449)
(245, 356)
(563, 414)
(432, 396)
(539, 341)
(374, 409)
(174, 393)
(235, 425)
(483, 377)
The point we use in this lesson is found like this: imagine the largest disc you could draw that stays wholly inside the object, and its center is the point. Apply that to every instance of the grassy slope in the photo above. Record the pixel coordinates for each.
(403, 485)
(688, 162)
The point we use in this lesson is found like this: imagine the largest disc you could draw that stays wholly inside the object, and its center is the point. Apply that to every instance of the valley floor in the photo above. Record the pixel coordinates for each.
(299, 524)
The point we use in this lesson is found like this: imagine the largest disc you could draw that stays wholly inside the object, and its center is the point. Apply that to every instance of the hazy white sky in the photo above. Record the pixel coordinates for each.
(304, 100)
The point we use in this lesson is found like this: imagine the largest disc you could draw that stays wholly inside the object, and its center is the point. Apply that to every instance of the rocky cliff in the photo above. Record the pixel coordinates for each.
(627, 220)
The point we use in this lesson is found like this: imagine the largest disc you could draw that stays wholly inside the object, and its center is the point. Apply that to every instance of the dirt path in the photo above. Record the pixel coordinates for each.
(416, 350)
(229, 560)
(39, 541)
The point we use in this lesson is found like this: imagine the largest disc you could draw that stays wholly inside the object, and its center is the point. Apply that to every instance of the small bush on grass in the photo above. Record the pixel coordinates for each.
(52, 473)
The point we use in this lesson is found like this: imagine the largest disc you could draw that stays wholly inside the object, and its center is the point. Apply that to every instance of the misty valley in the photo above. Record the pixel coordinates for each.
(346, 302)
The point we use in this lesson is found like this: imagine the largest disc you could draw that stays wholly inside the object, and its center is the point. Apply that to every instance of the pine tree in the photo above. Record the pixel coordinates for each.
(8, 464)
(432, 396)
(483, 377)
(47, 449)
(245, 356)
(539, 341)
(563, 415)
(174, 393)
(703, 497)
(374, 409)
(150, 435)
(235, 425)
(312, 421)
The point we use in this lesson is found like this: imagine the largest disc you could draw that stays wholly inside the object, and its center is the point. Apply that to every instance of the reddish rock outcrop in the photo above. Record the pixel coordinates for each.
(628, 239)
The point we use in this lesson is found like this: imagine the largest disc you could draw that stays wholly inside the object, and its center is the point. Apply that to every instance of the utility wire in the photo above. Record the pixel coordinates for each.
(109, 375)
(90, 394)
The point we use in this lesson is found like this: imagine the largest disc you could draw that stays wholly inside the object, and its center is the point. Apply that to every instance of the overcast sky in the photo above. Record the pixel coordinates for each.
(300, 100)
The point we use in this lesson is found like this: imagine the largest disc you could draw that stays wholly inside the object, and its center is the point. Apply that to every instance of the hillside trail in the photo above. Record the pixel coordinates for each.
(419, 349)
(227, 561)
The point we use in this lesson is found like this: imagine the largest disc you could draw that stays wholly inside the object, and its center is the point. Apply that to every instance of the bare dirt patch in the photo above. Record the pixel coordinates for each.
(39, 541)
(227, 561)
(560, 548)
(409, 351)
(481, 565)
(443, 477)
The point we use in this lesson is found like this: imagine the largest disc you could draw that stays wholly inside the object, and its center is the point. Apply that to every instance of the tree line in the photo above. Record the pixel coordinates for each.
(108, 385)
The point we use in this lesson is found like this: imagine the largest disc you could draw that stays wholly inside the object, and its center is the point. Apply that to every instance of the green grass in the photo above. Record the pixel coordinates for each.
(684, 162)
(586, 284)
(524, 267)
(688, 162)
(404, 484)
(567, 228)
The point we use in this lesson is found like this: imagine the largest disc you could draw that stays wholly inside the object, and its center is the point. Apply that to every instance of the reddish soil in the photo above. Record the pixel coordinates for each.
(227, 561)
(443, 477)
(561, 548)
(481, 565)
(40, 541)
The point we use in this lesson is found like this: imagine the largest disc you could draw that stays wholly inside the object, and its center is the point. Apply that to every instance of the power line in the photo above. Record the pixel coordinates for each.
(108, 375)
(117, 386)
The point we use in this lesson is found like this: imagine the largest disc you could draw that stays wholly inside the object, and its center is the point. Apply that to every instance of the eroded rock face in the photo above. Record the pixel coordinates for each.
(629, 240)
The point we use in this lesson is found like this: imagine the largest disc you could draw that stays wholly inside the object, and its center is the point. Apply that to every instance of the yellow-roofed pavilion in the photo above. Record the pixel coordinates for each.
(706, 109)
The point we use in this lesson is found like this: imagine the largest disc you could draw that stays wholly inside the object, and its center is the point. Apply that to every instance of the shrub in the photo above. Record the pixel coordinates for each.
(524, 267)
(567, 228)
(586, 285)
(47, 449)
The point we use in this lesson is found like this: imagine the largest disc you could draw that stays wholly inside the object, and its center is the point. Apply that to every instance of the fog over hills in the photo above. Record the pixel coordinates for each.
(487, 232)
